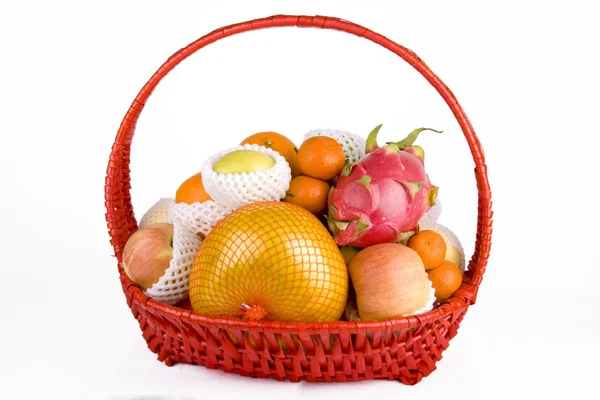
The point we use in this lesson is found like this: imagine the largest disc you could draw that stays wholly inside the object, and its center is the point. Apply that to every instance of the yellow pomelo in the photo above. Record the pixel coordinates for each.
(240, 161)
(271, 261)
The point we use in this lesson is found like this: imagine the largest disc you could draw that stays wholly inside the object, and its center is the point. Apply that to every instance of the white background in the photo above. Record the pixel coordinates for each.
(526, 72)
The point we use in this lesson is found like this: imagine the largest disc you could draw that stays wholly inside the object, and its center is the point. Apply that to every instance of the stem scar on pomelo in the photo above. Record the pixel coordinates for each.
(270, 261)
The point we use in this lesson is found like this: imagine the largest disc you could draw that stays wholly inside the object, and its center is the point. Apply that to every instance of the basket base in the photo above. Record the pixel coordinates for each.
(405, 356)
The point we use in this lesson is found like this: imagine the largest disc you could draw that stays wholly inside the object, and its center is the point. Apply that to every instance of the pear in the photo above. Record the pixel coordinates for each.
(452, 255)
(241, 161)
(348, 252)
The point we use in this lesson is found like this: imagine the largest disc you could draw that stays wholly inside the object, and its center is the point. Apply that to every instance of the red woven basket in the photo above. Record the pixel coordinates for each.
(404, 349)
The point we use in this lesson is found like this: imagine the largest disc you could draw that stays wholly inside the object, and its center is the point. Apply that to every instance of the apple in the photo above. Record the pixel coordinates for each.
(240, 161)
(389, 280)
(148, 253)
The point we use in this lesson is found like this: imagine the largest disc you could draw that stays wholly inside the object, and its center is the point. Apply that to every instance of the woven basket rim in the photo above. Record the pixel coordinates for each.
(187, 316)
(122, 223)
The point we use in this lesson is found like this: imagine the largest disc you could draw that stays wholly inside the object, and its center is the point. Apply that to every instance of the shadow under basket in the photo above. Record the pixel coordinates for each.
(404, 349)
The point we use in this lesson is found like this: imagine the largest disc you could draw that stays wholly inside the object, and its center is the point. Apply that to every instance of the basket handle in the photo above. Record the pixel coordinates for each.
(120, 218)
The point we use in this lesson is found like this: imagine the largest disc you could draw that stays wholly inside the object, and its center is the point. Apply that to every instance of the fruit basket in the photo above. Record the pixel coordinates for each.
(405, 349)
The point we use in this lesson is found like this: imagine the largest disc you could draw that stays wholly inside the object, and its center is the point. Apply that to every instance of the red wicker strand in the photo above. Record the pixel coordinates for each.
(403, 349)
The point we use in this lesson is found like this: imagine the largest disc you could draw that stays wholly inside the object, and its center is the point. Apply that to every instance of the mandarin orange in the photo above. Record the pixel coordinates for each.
(281, 144)
(445, 279)
(192, 191)
(321, 157)
(308, 193)
(430, 246)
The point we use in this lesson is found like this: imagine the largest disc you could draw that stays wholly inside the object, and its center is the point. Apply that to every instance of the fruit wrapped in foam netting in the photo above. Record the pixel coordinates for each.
(235, 190)
(353, 145)
(428, 306)
(270, 261)
(405, 349)
(173, 286)
(158, 213)
(433, 214)
(198, 217)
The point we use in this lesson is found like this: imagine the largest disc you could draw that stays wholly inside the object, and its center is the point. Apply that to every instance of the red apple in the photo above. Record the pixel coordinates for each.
(148, 253)
(389, 280)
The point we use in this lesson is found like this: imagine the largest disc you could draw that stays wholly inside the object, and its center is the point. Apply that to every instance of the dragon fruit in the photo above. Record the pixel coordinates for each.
(382, 197)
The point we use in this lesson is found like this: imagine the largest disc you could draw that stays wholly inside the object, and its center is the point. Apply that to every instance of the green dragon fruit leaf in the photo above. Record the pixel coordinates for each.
(372, 140)
(410, 139)
(432, 196)
(392, 148)
(417, 151)
(334, 230)
(404, 236)
(332, 209)
(362, 226)
(347, 170)
(365, 180)
(336, 226)
(414, 187)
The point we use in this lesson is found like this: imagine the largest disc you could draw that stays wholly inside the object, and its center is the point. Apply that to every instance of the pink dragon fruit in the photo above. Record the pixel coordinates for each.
(382, 197)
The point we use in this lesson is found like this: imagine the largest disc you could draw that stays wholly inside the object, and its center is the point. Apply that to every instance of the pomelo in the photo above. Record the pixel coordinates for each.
(269, 261)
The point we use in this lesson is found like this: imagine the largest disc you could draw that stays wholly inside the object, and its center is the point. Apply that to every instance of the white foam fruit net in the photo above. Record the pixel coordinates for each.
(449, 237)
(433, 214)
(428, 304)
(173, 286)
(237, 190)
(353, 145)
(199, 218)
(158, 213)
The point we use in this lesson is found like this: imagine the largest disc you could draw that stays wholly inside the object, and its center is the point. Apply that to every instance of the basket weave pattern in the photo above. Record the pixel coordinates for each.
(404, 349)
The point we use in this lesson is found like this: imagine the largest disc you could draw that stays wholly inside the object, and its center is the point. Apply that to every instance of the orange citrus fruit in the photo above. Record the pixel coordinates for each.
(321, 157)
(430, 246)
(192, 191)
(445, 279)
(281, 144)
(308, 193)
